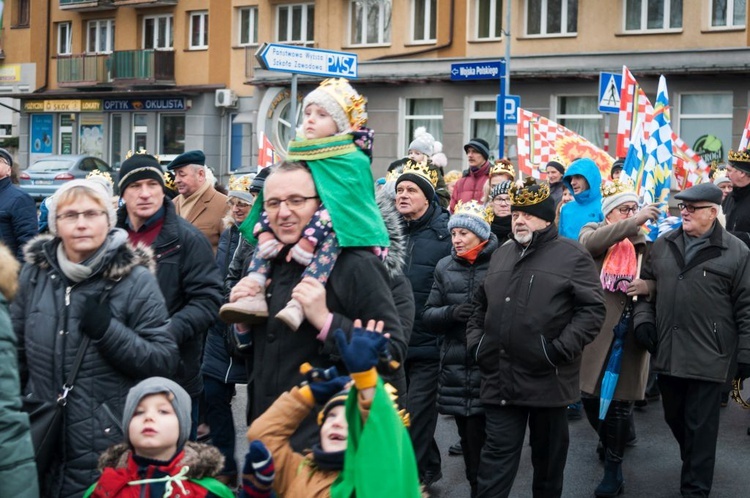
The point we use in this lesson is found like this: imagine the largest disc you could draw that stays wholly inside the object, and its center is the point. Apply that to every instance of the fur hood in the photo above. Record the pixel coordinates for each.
(9, 266)
(204, 460)
(396, 258)
(120, 260)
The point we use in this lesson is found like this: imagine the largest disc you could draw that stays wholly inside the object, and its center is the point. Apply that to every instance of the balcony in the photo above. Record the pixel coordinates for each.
(86, 5)
(142, 67)
(82, 70)
(144, 3)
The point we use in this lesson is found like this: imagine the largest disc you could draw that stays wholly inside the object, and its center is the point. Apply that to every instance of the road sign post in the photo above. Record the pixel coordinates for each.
(610, 85)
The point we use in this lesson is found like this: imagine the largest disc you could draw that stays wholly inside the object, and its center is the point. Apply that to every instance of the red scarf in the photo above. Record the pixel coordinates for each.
(620, 262)
(472, 254)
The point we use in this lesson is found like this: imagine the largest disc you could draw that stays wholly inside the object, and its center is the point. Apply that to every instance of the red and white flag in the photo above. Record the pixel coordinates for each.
(630, 112)
(688, 166)
(745, 140)
(266, 154)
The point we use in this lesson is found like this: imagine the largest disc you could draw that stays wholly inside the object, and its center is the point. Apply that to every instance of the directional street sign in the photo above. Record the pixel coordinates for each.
(488, 70)
(609, 92)
(303, 60)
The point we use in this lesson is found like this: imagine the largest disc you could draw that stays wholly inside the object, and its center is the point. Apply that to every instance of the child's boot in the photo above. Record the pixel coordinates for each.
(251, 309)
(292, 314)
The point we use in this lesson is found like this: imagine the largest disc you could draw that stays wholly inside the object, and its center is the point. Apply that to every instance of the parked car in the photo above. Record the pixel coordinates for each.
(46, 175)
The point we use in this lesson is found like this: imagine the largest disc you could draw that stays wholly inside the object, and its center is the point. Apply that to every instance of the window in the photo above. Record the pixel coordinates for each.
(100, 36)
(580, 114)
(424, 112)
(728, 13)
(157, 32)
(172, 127)
(370, 22)
(140, 132)
(643, 15)
(248, 26)
(295, 23)
(21, 8)
(64, 38)
(703, 115)
(551, 17)
(425, 20)
(489, 19)
(483, 121)
(115, 140)
(199, 30)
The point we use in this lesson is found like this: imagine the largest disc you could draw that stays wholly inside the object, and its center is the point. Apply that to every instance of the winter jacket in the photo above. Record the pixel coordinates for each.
(455, 282)
(428, 241)
(18, 476)
(536, 303)
(206, 214)
(18, 223)
(702, 309)
(556, 191)
(191, 284)
(597, 238)
(470, 186)
(136, 345)
(587, 206)
(119, 467)
(737, 209)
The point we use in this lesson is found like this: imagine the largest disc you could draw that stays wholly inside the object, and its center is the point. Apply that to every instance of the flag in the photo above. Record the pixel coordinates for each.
(689, 167)
(745, 140)
(634, 108)
(539, 139)
(635, 158)
(266, 154)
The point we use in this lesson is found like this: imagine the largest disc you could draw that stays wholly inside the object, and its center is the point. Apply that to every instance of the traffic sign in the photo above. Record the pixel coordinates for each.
(304, 60)
(509, 109)
(610, 85)
(488, 70)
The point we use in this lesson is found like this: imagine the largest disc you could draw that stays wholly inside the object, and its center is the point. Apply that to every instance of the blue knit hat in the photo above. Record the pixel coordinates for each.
(473, 216)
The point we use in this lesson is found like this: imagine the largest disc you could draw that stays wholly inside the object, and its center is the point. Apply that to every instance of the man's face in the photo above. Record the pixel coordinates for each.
(189, 179)
(286, 221)
(411, 202)
(553, 175)
(143, 199)
(5, 168)
(699, 221)
(474, 157)
(737, 177)
(524, 226)
(579, 184)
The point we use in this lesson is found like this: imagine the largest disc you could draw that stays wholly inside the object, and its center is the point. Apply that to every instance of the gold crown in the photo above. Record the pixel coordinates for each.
(422, 169)
(617, 187)
(402, 413)
(139, 151)
(475, 208)
(741, 156)
(102, 174)
(392, 175)
(353, 104)
(240, 183)
(557, 159)
(503, 167)
(525, 196)
(169, 180)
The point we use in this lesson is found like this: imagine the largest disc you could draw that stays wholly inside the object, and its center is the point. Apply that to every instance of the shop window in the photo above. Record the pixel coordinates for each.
(370, 22)
(295, 24)
(728, 13)
(198, 30)
(648, 15)
(158, 32)
(424, 14)
(248, 29)
(172, 130)
(140, 132)
(706, 124)
(581, 115)
(551, 17)
(115, 140)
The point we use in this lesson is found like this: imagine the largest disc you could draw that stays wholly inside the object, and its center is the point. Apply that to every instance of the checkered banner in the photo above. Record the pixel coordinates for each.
(689, 167)
(745, 140)
(630, 113)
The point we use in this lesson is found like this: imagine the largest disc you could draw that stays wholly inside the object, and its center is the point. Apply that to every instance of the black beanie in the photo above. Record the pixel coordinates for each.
(256, 186)
(480, 145)
(422, 176)
(140, 167)
(533, 198)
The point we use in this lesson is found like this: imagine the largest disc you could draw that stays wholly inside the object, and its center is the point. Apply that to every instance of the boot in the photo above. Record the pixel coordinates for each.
(612, 485)
(251, 309)
(292, 314)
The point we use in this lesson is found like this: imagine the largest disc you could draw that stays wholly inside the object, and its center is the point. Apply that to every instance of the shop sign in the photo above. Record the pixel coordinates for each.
(62, 105)
(144, 105)
(10, 73)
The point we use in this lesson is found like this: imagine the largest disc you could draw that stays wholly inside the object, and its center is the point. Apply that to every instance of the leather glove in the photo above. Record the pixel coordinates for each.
(462, 312)
(646, 336)
(95, 316)
(361, 354)
(324, 383)
(258, 473)
(743, 371)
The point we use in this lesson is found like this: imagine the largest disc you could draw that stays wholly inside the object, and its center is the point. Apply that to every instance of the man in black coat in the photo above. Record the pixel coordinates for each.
(737, 203)
(185, 267)
(18, 222)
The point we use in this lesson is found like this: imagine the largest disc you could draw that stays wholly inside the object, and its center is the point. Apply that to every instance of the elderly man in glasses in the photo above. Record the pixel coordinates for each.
(700, 315)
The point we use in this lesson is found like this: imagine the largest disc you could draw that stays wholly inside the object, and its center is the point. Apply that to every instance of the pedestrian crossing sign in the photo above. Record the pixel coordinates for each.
(610, 85)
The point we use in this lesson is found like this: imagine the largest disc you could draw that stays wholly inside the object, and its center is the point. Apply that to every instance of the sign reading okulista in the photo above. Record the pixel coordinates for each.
(62, 105)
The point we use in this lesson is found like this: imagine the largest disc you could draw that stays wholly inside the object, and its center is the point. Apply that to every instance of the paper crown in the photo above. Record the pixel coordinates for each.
(558, 159)
(422, 169)
(392, 175)
(240, 183)
(617, 187)
(131, 152)
(102, 174)
(503, 167)
(353, 104)
(475, 208)
(169, 180)
(741, 156)
(526, 194)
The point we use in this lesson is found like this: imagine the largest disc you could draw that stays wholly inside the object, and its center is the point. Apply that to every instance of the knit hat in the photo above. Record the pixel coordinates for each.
(139, 167)
(503, 167)
(616, 166)
(617, 192)
(194, 157)
(179, 398)
(500, 188)
(722, 178)
(341, 101)
(423, 142)
(256, 187)
(480, 145)
(740, 160)
(439, 159)
(337, 399)
(421, 175)
(6, 155)
(239, 188)
(474, 216)
(533, 198)
(94, 188)
(558, 163)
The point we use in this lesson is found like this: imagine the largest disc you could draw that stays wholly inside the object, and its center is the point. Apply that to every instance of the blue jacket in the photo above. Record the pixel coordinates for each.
(587, 207)
(18, 221)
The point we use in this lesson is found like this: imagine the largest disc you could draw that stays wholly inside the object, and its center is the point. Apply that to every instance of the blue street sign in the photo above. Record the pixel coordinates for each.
(488, 70)
(610, 85)
(303, 60)
(509, 109)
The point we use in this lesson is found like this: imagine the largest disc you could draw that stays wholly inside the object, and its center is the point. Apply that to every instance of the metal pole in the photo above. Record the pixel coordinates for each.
(504, 82)
(293, 105)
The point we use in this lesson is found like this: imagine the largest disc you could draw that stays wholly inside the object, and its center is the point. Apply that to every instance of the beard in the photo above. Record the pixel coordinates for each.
(523, 238)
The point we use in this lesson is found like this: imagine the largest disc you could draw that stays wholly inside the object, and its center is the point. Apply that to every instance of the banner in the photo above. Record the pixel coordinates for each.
(631, 113)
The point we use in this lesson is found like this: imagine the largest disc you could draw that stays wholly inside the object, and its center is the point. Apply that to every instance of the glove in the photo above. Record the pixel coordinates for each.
(646, 336)
(743, 371)
(361, 354)
(95, 316)
(269, 249)
(462, 312)
(324, 384)
(258, 473)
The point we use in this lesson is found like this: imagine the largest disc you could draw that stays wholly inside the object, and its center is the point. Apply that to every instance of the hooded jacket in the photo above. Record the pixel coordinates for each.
(136, 345)
(587, 206)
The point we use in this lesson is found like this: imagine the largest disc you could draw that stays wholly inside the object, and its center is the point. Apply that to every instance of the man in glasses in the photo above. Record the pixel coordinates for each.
(700, 315)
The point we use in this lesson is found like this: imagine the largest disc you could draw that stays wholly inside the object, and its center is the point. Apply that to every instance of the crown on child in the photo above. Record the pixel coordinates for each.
(422, 169)
(475, 208)
(617, 187)
(353, 104)
(240, 183)
(402, 413)
(503, 167)
(741, 156)
(527, 194)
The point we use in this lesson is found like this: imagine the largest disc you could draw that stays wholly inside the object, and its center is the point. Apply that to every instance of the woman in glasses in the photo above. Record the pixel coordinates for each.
(86, 289)
(615, 244)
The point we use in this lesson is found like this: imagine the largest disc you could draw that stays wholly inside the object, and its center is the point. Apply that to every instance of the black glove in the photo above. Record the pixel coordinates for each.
(646, 336)
(743, 371)
(95, 316)
(462, 312)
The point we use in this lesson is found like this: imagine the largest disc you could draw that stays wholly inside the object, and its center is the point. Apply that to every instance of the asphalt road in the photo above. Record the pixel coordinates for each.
(651, 468)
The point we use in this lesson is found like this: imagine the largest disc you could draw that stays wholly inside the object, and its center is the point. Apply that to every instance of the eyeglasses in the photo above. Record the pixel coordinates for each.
(293, 202)
(690, 208)
(626, 209)
(500, 200)
(72, 216)
(239, 204)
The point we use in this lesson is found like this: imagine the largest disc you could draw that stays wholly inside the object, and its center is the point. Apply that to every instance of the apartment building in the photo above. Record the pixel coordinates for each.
(108, 76)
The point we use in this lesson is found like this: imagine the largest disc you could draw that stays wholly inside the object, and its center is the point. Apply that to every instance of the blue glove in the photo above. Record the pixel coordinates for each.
(259, 472)
(323, 390)
(363, 351)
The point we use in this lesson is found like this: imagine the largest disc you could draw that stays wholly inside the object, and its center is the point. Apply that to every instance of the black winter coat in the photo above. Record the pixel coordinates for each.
(428, 241)
(18, 222)
(534, 302)
(737, 210)
(191, 284)
(455, 282)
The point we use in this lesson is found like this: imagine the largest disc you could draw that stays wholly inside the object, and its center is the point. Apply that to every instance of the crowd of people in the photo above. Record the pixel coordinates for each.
(356, 311)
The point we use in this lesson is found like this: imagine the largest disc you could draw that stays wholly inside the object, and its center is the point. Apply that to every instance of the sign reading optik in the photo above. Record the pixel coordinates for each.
(303, 60)
(488, 70)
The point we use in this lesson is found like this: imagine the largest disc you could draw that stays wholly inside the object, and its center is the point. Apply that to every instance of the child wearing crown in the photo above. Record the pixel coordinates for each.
(334, 144)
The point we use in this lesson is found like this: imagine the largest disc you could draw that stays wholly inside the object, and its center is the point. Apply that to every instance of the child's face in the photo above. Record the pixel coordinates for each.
(318, 123)
(154, 429)
(335, 430)
(416, 156)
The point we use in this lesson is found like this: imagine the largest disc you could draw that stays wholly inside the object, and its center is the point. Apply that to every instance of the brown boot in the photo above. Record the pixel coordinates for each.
(251, 309)
(292, 314)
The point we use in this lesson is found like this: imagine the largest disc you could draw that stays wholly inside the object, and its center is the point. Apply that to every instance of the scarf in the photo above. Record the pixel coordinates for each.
(327, 460)
(189, 202)
(78, 272)
(472, 254)
(619, 263)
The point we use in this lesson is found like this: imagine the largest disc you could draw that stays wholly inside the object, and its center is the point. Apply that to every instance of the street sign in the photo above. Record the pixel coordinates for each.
(303, 60)
(509, 109)
(610, 85)
(488, 70)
